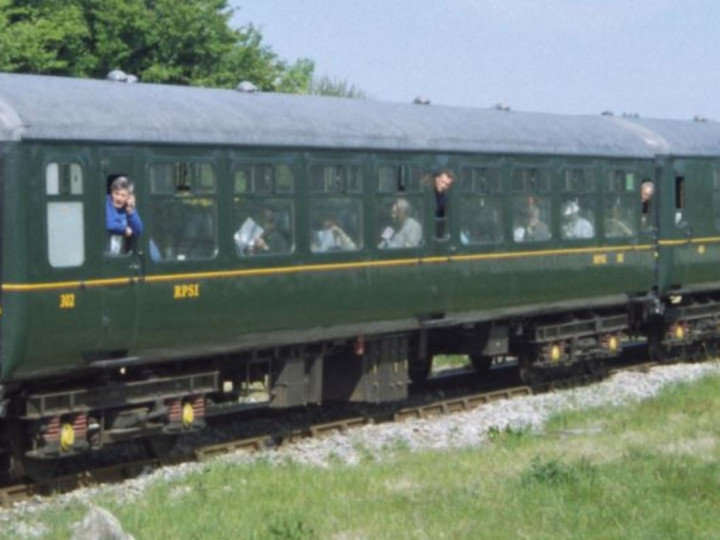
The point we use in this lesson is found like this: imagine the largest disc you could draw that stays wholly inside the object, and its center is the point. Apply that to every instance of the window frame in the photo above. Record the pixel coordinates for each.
(65, 198)
(631, 198)
(588, 191)
(716, 195)
(544, 192)
(153, 196)
(354, 175)
(497, 194)
(256, 197)
(419, 180)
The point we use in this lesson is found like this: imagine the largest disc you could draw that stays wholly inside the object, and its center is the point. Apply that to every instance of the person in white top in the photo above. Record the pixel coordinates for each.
(575, 226)
(406, 232)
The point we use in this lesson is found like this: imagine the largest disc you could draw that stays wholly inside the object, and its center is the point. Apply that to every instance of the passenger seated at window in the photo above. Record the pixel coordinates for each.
(331, 237)
(270, 237)
(198, 237)
(483, 227)
(122, 220)
(406, 231)
(534, 230)
(616, 223)
(574, 225)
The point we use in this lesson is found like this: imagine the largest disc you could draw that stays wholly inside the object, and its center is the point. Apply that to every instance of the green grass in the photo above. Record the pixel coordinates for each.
(647, 471)
(450, 361)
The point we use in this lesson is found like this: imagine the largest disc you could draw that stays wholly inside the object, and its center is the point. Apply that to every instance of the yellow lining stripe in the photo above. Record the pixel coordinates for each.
(706, 240)
(25, 287)
(673, 242)
(703, 240)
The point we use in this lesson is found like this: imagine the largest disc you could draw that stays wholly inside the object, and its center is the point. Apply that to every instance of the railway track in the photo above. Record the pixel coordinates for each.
(276, 438)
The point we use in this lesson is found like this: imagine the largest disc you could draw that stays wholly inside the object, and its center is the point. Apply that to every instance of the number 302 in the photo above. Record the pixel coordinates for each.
(67, 301)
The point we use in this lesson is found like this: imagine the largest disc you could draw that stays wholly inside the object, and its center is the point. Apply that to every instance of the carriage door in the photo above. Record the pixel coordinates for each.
(121, 264)
(676, 231)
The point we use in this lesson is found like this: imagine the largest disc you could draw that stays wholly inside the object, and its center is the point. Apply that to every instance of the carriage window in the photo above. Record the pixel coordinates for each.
(264, 214)
(680, 201)
(578, 205)
(531, 205)
(335, 224)
(63, 179)
(398, 179)
(65, 214)
(183, 211)
(621, 204)
(716, 195)
(335, 179)
(481, 206)
(399, 219)
(335, 208)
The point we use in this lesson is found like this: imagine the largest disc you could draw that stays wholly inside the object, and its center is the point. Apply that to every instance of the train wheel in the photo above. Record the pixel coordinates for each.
(710, 349)
(20, 466)
(160, 445)
(481, 363)
(530, 374)
(657, 350)
(37, 470)
(419, 372)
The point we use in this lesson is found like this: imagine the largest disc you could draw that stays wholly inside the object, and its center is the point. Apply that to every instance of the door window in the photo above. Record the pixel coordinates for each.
(65, 214)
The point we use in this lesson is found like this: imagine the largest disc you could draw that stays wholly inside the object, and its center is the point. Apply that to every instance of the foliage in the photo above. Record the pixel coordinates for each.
(555, 472)
(508, 436)
(327, 86)
(170, 41)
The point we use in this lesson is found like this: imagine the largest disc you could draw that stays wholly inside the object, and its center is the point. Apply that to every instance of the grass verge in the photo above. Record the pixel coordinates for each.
(651, 470)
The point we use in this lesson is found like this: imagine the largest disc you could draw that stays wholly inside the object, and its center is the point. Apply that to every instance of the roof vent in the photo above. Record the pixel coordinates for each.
(502, 107)
(420, 100)
(246, 87)
(118, 75)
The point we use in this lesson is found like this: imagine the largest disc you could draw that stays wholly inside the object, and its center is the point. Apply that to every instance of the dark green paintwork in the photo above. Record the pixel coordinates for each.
(144, 319)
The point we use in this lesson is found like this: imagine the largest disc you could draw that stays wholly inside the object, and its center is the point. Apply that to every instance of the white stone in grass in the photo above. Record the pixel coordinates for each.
(99, 524)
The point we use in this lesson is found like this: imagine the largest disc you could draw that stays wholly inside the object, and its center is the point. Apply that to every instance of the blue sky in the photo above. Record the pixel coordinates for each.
(656, 58)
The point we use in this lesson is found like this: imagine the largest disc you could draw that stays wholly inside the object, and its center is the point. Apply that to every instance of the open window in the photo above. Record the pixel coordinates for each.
(118, 244)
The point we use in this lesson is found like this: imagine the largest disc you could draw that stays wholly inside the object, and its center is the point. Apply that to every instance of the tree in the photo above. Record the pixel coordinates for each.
(327, 86)
(173, 41)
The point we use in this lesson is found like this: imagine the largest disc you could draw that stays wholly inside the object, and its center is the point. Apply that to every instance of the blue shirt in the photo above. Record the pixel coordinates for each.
(118, 220)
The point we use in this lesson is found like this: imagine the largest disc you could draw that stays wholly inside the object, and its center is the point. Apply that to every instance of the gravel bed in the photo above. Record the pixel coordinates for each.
(460, 430)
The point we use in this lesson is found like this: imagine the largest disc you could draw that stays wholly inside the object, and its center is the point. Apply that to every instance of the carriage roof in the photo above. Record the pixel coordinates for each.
(36, 107)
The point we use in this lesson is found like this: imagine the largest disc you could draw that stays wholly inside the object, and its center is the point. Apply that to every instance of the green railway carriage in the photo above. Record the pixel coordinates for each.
(97, 345)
